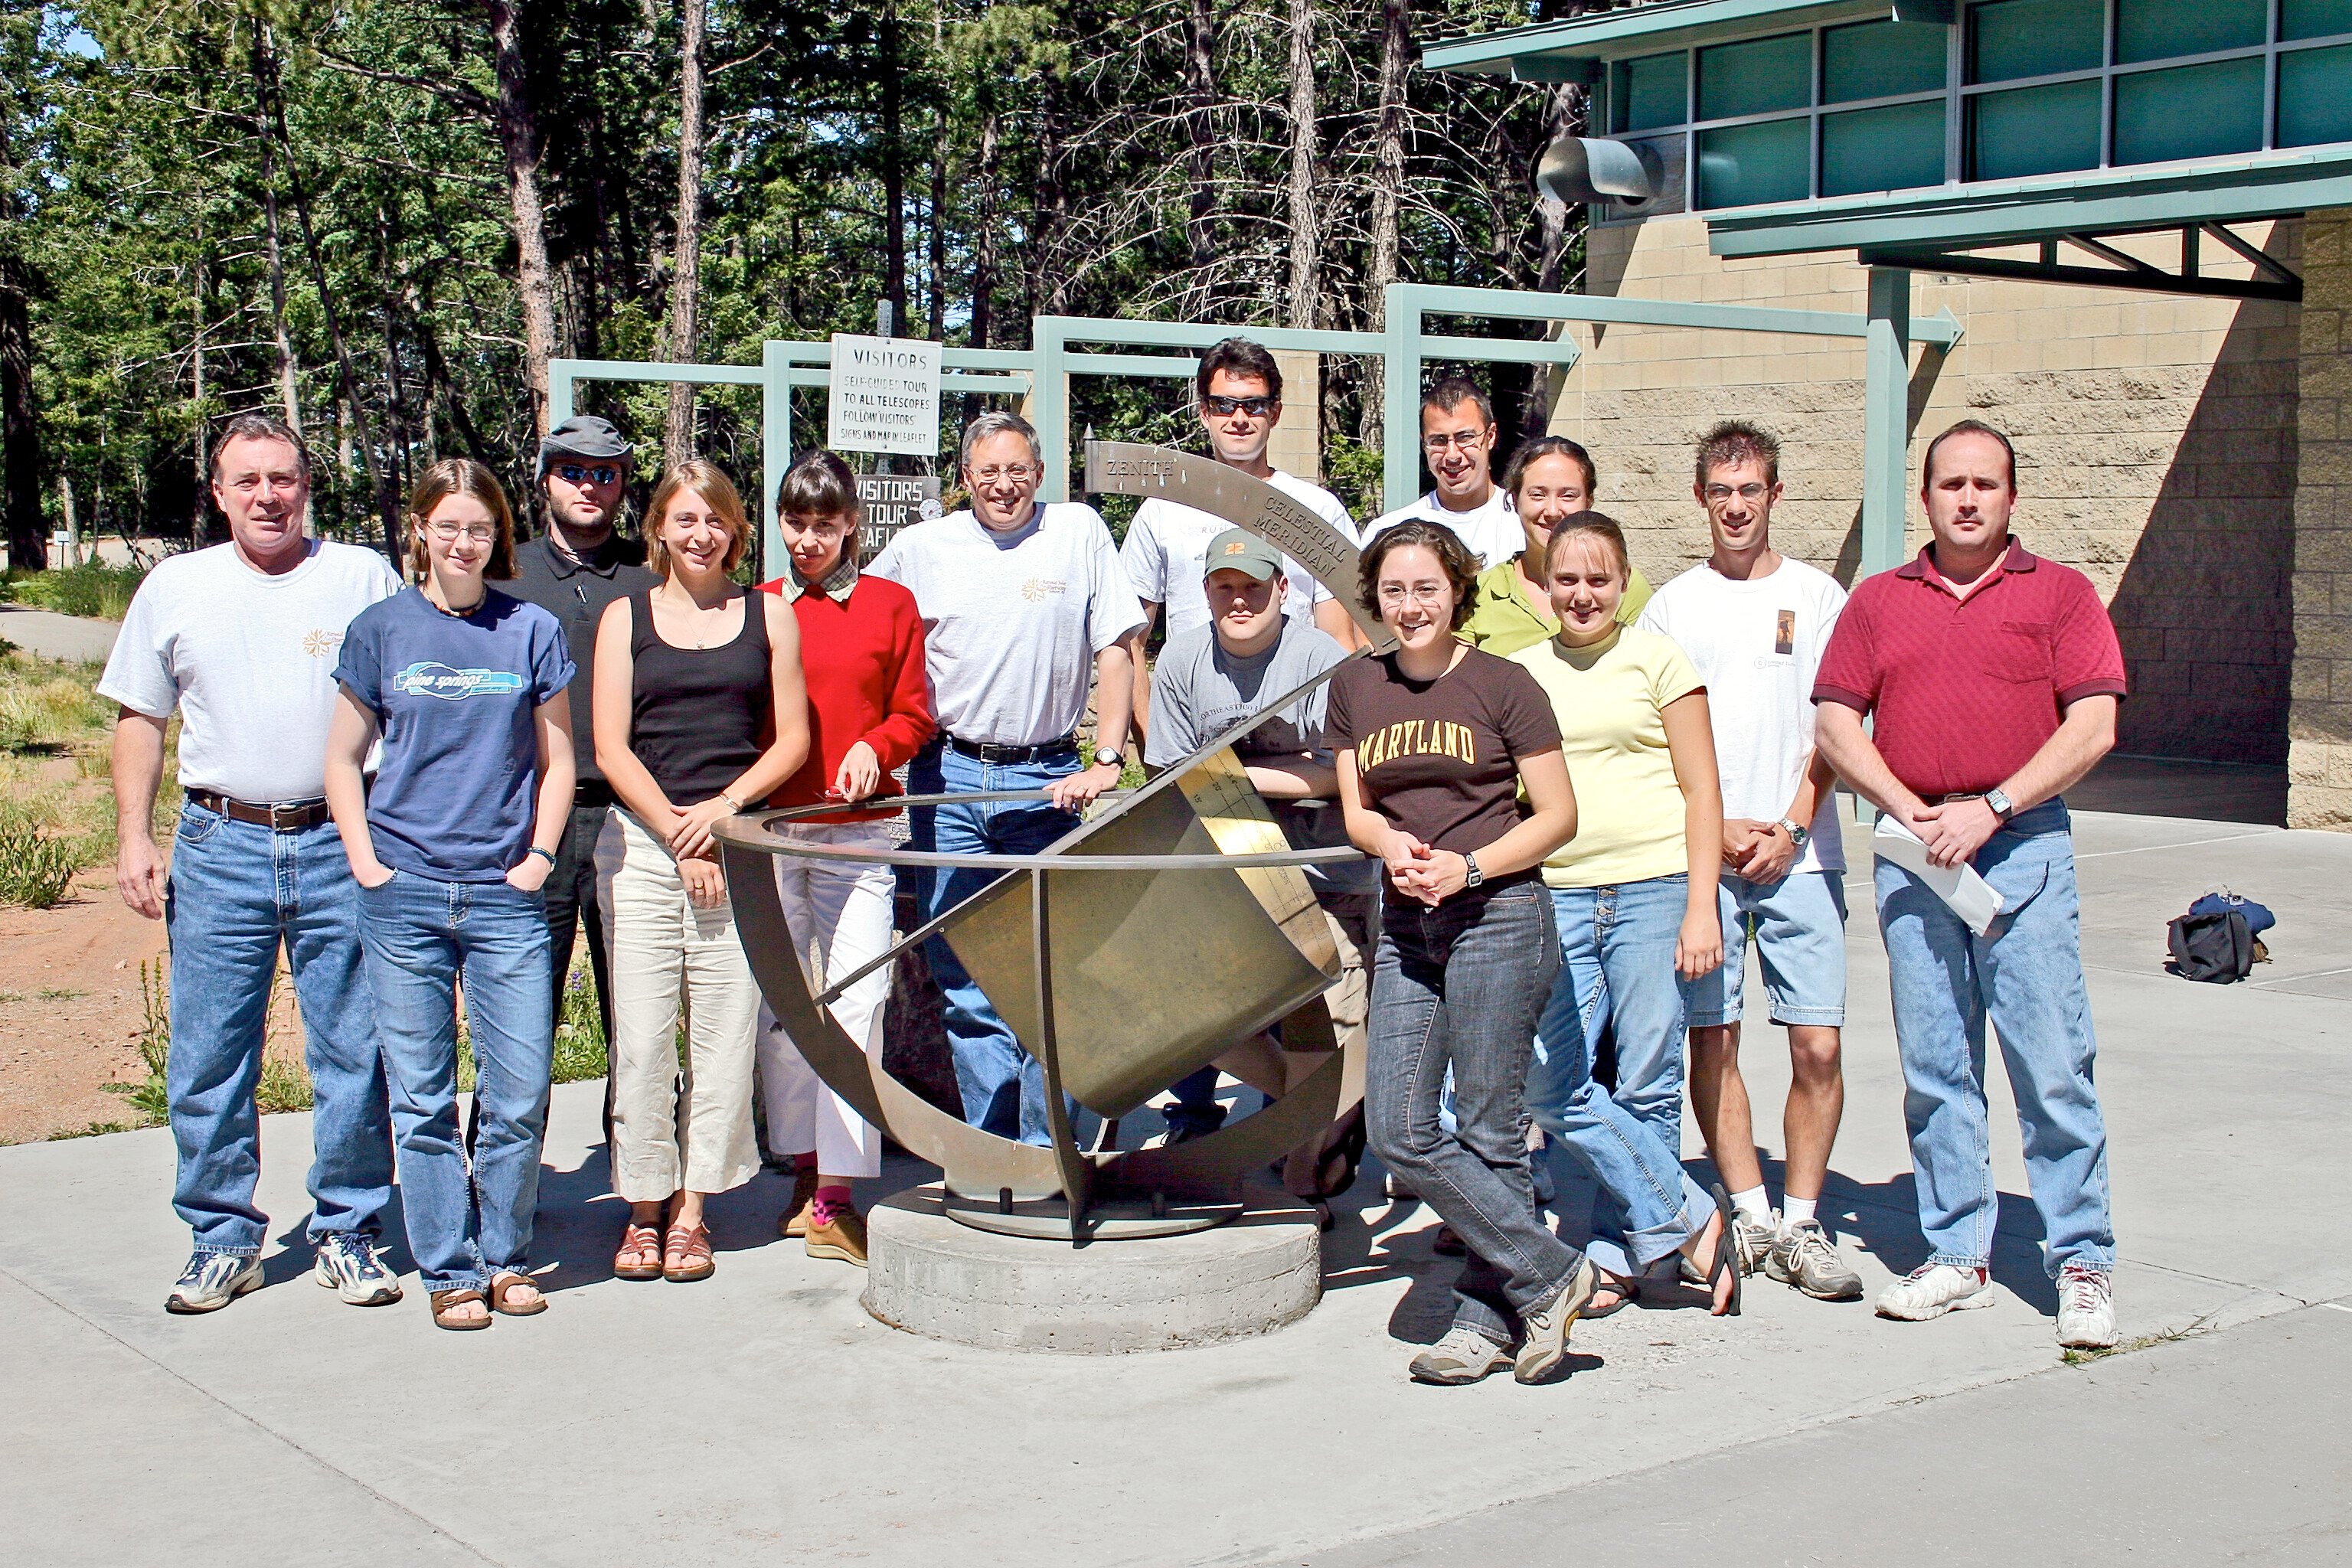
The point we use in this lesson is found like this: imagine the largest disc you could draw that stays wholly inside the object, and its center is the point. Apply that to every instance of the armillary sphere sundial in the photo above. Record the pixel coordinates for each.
(1134, 950)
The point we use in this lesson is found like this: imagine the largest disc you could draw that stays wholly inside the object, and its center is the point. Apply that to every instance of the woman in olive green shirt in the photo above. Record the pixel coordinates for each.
(1549, 479)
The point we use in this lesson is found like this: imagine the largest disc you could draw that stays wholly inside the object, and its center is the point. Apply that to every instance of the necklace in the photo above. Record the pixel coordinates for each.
(453, 613)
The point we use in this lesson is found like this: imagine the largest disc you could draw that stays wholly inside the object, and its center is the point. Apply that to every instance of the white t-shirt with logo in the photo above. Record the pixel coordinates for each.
(1758, 644)
(1011, 622)
(1491, 528)
(250, 661)
(1167, 549)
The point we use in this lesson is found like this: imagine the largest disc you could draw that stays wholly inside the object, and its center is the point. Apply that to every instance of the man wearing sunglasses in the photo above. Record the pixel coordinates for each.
(579, 565)
(1458, 442)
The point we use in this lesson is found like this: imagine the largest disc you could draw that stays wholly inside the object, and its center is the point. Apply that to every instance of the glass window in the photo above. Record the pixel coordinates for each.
(2165, 29)
(1879, 59)
(1891, 149)
(2314, 97)
(1741, 165)
(1651, 91)
(2013, 38)
(2313, 19)
(1757, 77)
(2034, 131)
(2192, 112)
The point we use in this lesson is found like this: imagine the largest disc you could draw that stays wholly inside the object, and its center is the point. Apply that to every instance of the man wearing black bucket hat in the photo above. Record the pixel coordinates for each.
(579, 565)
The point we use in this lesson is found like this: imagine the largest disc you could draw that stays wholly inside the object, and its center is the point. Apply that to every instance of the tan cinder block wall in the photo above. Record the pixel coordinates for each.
(2319, 759)
(2156, 439)
(1296, 446)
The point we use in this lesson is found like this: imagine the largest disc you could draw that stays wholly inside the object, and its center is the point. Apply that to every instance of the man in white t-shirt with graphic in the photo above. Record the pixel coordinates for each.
(1020, 603)
(1165, 553)
(1457, 441)
(241, 638)
(1755, 624)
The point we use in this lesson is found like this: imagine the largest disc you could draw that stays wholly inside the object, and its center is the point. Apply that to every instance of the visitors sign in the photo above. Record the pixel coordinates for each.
(884, 396)
(888, 502)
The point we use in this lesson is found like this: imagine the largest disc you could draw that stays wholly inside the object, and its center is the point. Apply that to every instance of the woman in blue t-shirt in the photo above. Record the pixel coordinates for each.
(465, 686)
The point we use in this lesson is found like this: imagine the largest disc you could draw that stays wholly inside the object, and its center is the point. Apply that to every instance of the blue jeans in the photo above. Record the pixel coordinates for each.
(2026, 975)
(236, 891)
(1459, 987)
(1617, 947)
(1002, 1086)
(422, 936)
(1799, 925)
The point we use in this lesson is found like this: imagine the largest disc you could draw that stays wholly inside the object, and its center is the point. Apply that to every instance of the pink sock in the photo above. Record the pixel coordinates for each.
(831, 1204)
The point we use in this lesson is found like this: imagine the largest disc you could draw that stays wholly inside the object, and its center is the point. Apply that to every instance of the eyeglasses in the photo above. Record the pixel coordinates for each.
(573, 474)
(1424, 594)
(1718, 494)
(1012, 473)
(1461, 440)
(447, 532)
(1256, 407)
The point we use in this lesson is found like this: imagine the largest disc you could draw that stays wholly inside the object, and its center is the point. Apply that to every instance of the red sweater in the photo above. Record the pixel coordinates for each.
(864, 664)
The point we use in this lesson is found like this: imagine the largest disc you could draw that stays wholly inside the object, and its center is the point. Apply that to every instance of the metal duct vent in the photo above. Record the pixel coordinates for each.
(1583, 169)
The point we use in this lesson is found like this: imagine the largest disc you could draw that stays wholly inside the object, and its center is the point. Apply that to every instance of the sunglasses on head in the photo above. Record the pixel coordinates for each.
(574, 474)
(1256, 407)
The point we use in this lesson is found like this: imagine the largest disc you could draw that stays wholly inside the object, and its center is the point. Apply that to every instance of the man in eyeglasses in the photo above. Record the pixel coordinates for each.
(573, 571)
(1458, 442)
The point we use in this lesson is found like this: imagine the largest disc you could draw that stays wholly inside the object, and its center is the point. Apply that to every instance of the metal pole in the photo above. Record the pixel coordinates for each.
(1049, 405)
(558, 391)
(1400, 398)
(1887, 420)
(775, 448)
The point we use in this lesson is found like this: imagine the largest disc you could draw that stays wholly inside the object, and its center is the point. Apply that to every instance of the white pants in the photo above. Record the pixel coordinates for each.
(839, 915)
(668, 953)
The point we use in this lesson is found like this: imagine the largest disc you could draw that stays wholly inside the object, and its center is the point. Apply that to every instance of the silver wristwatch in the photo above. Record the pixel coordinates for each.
(1474, 876)
(1109, 757)
(1797, 832)
(1999, 800)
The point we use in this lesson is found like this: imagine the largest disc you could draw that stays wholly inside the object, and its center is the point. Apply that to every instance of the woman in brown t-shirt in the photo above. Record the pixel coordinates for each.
(1434, 741)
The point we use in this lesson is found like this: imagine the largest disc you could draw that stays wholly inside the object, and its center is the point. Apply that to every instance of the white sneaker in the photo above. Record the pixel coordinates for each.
(1933, 1289)
(1753, 1238)
(348, 1265)
(212, 1280)
(1463, 1355)
(2087, 1309)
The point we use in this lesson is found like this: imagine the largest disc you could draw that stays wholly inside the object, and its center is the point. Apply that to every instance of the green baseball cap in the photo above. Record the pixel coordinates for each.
(1239, 549)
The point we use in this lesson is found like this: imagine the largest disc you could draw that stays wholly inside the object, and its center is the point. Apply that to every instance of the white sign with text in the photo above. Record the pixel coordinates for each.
(884, 396)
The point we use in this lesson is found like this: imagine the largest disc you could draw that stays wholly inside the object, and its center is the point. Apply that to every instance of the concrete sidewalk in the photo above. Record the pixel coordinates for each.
(53, 635)
(763, 1418)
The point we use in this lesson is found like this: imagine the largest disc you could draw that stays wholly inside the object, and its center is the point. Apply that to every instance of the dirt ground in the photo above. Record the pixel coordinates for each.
(69, 1009)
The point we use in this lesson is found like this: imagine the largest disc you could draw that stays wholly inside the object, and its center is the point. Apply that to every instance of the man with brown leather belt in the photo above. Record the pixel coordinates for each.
(581, 564)
(241, 639)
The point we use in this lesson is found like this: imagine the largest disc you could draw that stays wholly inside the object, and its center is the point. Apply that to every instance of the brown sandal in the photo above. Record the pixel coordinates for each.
(506, 1279)
(442, 1301)
(686, 1255)
(639, 1242)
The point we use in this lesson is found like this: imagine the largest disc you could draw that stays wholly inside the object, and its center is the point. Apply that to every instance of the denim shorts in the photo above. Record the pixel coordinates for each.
(1800, 933)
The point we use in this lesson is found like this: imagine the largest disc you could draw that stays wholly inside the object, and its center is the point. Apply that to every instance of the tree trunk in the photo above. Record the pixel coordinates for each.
(1388, 190)
(1552, 236)
(289, 383)
(1306, 228)
(984, 265)
(686, 267)
(894, 173)
(937, 315)
(1049, 277)
(1200, 127)
(517, 131)
(20, 430)
(198, 442)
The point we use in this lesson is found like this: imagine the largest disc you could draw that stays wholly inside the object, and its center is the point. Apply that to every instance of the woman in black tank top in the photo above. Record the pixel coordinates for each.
(698, 711)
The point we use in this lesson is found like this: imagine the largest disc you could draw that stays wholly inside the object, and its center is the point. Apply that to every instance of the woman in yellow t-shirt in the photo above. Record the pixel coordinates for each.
(1634, 895)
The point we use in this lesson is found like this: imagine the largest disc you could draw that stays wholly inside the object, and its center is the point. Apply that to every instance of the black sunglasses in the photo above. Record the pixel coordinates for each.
(1256, 407)
(573, 473)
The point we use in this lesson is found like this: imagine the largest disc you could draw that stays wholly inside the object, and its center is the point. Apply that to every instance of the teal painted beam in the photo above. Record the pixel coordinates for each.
(1131, 364)
(654, 370)
(1886, 421)
(1400, 396)
(1941, 328)
(559, 390)
(1503, 350)
(1201, 335)
(1049, 405)
(1637, 31)
(775, 447)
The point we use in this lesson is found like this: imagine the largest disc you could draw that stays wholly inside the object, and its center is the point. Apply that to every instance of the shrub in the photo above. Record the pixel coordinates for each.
(92, 589)
(35, 870)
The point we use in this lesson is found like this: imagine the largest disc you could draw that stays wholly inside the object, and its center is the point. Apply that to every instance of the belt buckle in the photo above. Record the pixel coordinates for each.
(281, 816)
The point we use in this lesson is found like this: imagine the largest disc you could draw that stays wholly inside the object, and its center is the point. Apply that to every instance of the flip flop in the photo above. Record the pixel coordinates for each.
(1726, 1251)
(1627, 1294)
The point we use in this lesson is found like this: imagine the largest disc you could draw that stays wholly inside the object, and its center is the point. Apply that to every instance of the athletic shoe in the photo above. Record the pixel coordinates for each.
(1753, 1238)
(212, 1280)
(348, 1265)
(841, 1238)
(1803, 1256)
(1933, 1289)
(1544, 1344)
(1463, 1355)
(794, 1220)
(2087, 1309)
(1393, 1188)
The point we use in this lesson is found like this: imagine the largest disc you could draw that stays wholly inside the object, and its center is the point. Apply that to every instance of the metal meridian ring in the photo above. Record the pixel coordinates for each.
(753, 831)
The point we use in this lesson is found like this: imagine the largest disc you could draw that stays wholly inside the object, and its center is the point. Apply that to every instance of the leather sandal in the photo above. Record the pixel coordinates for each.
(1726, 1253)
(442, 1301)
(639, 1242)
(686, 1255)
(506, 1279)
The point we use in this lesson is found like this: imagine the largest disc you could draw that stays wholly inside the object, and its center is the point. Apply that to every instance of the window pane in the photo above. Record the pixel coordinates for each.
(1879, 59)
(2161, 29)
(1650, 92)
(2013, 38)
(1891, 149)
(2191, 113)
(2314, 97)
(2034, 131)
(2313, 19)
(1756, 77)
(1745, 164)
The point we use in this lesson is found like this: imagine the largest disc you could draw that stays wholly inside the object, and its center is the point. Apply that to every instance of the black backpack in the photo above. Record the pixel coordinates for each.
(2217, 946)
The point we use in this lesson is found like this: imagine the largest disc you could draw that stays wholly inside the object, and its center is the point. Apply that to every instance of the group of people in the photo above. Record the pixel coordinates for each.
(1579, 803)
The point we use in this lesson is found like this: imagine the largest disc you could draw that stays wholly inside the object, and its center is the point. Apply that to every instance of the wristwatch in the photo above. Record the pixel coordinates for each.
(1999, 800)
(1109, 757)
(1474, 876)
(1797, 833)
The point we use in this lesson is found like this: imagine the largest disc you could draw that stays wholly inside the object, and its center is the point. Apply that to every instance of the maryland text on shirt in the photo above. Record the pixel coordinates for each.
(1417, 738)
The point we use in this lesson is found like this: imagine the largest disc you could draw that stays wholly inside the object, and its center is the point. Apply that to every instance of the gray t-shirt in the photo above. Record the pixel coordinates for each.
(1011, 622)
(1199, 691)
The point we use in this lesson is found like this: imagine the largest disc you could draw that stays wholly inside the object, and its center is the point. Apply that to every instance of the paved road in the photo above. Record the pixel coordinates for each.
(53, 635)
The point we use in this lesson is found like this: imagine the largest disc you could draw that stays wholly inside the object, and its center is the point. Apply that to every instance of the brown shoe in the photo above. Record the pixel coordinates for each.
(686, 1255)
(842, 1238)
(794, 1220)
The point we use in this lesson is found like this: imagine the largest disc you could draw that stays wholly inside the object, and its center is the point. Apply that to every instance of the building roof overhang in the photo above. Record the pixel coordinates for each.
(1573, 50)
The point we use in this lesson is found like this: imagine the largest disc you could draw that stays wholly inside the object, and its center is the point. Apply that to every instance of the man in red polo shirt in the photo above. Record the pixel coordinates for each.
(1993, 676)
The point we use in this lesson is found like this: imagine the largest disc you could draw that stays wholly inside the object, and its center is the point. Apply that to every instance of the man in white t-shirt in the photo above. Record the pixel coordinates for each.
(1165, 553)
(1457, 440)
(1755, 624)
(241, 639)
(1020, 603)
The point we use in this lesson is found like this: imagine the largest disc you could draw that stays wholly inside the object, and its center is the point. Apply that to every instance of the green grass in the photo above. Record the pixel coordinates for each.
(2161, 1337)
(54, 823)
(93, 590)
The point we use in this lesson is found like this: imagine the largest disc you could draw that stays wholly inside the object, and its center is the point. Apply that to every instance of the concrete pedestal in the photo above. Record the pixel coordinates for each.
(929, 1274)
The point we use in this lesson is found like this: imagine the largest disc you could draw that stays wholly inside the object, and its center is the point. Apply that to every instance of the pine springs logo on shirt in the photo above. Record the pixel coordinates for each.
(1418, 738)
(428, 677)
